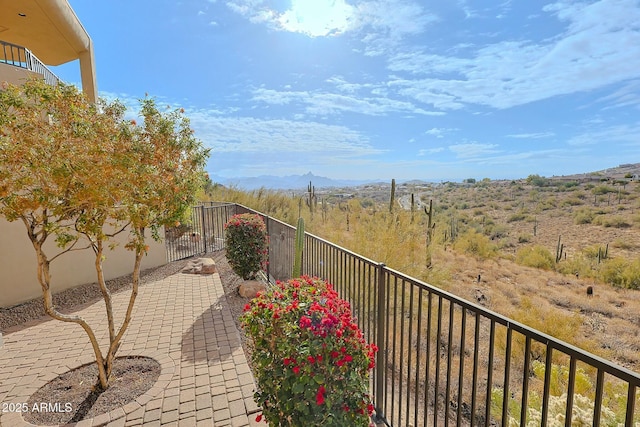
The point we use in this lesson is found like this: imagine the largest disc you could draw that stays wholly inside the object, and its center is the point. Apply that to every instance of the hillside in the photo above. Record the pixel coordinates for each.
(506, 234)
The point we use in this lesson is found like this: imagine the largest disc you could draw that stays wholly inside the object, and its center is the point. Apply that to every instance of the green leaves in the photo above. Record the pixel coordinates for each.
(246, 244)
(312, 363)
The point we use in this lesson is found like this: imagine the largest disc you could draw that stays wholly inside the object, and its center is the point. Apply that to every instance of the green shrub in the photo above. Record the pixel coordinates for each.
(311, 361)
(535, 256)
(476, 244)
(583, 216)
(603, 189)
(246, 244)
(572, 201)
(621, 273)
(611, 221)
(520, 216)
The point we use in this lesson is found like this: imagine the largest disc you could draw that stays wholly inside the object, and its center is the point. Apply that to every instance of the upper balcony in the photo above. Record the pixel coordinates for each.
(50, 30)
(18, 63)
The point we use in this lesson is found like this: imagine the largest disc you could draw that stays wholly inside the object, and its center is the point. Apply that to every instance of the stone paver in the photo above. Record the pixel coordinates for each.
(182, 321)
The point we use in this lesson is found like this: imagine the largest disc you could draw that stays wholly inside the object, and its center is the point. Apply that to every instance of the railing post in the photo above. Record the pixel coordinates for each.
(266, 220)
(204, 229)
(381, 319)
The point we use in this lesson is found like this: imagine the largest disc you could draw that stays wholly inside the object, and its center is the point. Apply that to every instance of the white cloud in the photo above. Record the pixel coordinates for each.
(627, 134)
(473, 149)
(427, 151)
(439, 132)
(318, 17)
(536, 135)
(200, 13)
(600, 46)
(381, 24)
(627, 96)
(323, 103)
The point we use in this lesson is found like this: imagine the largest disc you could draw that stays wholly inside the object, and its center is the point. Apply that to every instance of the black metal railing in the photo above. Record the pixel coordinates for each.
(22, 57)
(203, 233)
(447, 361)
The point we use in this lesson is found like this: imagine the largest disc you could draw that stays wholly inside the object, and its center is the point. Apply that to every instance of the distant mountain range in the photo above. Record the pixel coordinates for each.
(290, 182)
(300, 182)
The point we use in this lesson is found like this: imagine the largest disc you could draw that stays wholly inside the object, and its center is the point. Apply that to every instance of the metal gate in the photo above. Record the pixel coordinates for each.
(202, 233)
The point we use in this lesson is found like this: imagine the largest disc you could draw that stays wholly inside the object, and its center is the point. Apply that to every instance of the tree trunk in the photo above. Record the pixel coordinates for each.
(44, 277)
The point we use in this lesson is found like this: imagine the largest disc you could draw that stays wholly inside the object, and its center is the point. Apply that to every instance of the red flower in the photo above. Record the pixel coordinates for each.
(305, 322)
(320, 395)
(311, 359)
(259, 418)
(296, 370)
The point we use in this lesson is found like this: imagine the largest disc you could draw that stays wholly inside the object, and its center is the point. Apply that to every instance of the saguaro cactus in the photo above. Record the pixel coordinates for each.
(430, 227)
(559, 249)
(311, 197)
(299, 247)
(393, 195)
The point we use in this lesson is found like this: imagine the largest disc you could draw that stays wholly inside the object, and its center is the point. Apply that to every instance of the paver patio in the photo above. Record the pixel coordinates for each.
(183, 321)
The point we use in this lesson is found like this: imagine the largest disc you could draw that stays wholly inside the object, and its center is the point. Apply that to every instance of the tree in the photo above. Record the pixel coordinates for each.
(79, 174)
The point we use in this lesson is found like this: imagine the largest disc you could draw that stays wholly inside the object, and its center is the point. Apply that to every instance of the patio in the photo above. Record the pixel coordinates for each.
(183, 321)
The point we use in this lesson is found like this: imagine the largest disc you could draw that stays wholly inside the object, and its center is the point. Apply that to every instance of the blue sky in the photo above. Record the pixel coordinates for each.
(381, 89)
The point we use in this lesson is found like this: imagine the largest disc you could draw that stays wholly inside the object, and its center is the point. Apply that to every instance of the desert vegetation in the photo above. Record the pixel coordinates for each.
(508, 245)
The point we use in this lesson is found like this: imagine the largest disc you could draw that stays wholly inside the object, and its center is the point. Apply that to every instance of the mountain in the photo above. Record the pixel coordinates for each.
(290, 182)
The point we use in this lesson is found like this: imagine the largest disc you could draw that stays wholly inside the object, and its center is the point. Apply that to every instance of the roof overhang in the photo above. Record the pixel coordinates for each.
(48, 28)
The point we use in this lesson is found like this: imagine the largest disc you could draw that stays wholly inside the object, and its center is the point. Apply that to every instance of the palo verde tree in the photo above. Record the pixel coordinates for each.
(79, 174)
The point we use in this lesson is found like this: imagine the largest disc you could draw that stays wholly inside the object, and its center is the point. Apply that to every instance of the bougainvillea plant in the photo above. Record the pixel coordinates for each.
(310, 359)
(246, 244)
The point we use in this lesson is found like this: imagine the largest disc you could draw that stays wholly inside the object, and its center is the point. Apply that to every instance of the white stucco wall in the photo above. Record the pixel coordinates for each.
(18, 268)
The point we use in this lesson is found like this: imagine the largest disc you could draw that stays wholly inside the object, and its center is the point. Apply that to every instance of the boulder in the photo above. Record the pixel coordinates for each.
(200, 266)
(249, 288)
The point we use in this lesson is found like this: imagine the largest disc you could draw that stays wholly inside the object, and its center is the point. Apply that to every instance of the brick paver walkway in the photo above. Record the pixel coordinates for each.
(183, 321)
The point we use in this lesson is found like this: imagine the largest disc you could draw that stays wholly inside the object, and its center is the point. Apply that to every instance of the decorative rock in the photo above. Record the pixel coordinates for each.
(250, 288)
(200, 266)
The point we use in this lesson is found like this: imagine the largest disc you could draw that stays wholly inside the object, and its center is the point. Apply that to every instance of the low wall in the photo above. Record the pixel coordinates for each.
(18, 267)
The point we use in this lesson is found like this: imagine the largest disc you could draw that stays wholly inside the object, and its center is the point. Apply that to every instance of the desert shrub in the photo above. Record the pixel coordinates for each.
(611, 221)
(524, 238)
(579, 264)
(311, 361)
(602, 189)
(495, 231)
(621, 273)
(622, 244)
(538, 181)
(246, 244)
(572, 201)
(520, 216)
(476, 244)
(535, 256)
(583, 216)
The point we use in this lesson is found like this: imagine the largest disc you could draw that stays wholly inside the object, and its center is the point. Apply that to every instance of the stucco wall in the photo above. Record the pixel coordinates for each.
(16, 75)
(18, 275)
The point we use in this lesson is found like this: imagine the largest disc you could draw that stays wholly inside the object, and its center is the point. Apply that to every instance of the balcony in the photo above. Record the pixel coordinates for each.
(21, 57)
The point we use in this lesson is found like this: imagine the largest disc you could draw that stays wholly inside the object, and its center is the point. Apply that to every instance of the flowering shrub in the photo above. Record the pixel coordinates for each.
(246, 244)
(311, 361)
